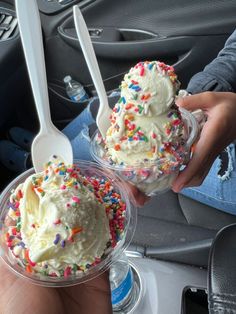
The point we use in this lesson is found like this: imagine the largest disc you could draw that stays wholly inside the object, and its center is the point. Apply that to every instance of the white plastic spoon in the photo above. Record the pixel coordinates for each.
(49, 141)
(104, 110)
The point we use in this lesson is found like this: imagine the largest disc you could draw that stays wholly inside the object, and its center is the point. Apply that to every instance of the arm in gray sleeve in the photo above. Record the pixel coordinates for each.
(220, 74)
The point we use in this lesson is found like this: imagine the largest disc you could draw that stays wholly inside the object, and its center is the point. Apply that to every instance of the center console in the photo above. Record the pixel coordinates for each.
(168, 288)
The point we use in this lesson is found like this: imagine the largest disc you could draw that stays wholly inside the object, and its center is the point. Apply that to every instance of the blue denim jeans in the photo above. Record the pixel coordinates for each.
(217, 190)
(78, 133)
(78, 129)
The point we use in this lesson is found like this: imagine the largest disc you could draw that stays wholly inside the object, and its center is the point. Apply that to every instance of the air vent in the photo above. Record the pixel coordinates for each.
(8, 26)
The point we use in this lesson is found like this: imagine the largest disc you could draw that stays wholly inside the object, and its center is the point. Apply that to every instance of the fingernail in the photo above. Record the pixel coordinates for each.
(177, 188)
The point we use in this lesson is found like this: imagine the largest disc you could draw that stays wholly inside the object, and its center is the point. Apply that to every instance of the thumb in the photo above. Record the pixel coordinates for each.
(194, 102)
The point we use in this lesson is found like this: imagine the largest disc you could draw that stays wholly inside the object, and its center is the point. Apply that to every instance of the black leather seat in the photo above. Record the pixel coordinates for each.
(222, 272)
(176, 228)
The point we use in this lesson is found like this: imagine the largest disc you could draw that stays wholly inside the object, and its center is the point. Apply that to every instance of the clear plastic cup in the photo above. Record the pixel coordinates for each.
(110, 255)
(147, 176)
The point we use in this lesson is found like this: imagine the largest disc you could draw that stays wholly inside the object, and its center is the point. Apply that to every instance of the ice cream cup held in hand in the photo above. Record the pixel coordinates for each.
(102, 187)
(149, 177)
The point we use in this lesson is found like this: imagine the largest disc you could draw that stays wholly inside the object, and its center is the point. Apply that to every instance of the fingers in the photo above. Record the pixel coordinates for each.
(198, 101)
(191, 175)
(210, 144)
(215, 135)
(138, 198)
(101, 282)
(77, 299)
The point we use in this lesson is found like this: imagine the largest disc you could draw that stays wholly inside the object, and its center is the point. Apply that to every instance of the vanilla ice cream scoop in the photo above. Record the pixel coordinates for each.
(145, 124)
(151, 86)
(63, 221)
(149, 138)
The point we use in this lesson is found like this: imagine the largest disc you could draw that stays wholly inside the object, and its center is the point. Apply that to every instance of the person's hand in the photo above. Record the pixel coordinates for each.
(20, 297)
(217, 133)
(137, 197)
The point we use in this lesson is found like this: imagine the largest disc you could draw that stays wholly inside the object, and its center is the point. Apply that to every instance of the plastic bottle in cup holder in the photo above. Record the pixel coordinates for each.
(75, 90)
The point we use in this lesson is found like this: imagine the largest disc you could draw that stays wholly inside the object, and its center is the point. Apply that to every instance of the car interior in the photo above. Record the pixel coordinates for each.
(171, 228)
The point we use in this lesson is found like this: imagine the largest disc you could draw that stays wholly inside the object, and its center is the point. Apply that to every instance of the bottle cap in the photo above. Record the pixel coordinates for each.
(67, 79)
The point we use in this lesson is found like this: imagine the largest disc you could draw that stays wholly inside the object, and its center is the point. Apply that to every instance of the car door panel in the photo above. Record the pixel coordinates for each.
(186, 34)
(11, 69)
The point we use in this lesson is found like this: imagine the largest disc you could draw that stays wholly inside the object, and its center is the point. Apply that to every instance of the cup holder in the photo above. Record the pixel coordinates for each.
(137, 293)
(63, 109)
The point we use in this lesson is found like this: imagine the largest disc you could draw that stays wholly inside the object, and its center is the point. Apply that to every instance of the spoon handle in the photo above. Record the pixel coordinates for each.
(90, 57)
(31, 37)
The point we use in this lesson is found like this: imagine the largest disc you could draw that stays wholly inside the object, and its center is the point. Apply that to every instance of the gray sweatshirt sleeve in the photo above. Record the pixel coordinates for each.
(220, 74)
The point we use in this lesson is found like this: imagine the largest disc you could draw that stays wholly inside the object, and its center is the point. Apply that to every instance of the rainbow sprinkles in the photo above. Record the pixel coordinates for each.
(147, 137)
(60, 222)
(146, 126)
